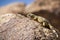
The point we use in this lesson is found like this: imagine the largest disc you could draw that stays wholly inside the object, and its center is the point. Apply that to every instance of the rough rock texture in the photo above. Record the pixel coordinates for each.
(19, 27)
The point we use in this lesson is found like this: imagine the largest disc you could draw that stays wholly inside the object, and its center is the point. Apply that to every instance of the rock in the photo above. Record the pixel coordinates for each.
(43, 5)
(19, 27)
(13, 8)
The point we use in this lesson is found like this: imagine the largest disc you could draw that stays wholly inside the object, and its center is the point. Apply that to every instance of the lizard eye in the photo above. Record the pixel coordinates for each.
(31, 15)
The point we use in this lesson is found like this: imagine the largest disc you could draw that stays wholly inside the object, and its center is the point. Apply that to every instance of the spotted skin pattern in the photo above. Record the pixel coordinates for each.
(44, 22)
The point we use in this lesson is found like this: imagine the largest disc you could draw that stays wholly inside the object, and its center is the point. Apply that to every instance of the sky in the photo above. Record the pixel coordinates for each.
(5, 2)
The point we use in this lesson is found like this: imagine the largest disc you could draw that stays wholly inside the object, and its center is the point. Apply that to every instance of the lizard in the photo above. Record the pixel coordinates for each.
(44, 22)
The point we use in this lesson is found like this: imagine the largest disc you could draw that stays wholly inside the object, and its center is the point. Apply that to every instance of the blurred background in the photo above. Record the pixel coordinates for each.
(5, 2)
(49, 9)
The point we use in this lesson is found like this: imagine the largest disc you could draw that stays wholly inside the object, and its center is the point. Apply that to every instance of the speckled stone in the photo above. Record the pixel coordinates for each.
(22, 28)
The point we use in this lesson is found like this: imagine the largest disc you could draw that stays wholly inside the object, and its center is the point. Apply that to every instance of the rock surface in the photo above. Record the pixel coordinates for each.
(14, 26)
(21, 28)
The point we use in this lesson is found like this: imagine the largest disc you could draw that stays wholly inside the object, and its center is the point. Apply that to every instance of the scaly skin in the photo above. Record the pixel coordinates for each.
(45, 23)
(39, 19)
